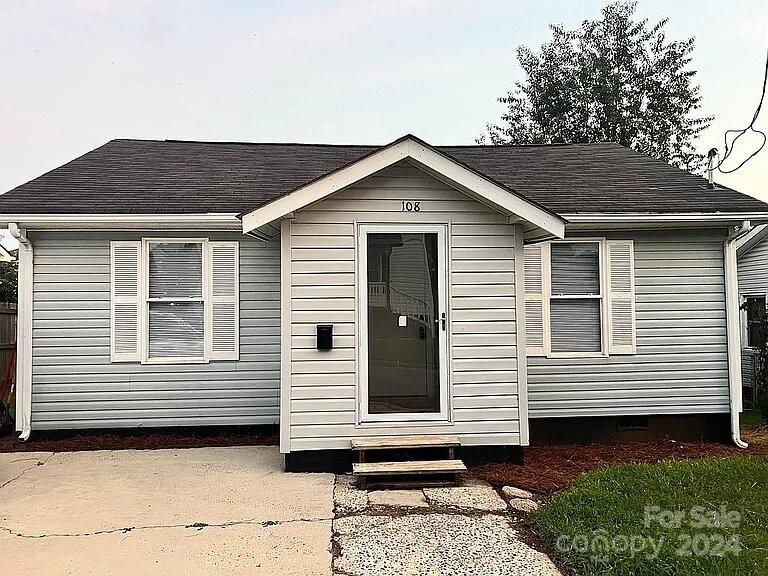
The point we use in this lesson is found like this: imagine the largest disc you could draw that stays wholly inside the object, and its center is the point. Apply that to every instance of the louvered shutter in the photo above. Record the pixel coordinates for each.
(125, 291)
(621, 297)
(535, 313)
(225, 300)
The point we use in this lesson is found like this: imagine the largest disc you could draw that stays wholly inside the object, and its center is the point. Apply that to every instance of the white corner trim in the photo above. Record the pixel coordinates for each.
(522, 346)
(218, 221)
(427, 158)
(734, 339)
(285, 336)
(24, 333)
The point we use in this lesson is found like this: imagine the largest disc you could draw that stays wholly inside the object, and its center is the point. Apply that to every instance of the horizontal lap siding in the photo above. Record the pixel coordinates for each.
(681, 362)
(74, 383)
(482, 311)
(753, 270)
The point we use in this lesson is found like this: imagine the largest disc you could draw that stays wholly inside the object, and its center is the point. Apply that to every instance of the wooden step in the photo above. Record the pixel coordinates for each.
(411, 467)
(395, 442)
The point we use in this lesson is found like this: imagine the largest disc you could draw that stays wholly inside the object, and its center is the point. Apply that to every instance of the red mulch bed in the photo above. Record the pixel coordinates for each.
(141, 439)
(547, 469)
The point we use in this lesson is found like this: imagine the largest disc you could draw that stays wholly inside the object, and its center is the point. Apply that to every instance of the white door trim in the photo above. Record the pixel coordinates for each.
(442, 290)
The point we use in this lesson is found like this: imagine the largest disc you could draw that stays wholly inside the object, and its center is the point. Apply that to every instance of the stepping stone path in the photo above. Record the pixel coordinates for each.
(452, 531)
(398, 498)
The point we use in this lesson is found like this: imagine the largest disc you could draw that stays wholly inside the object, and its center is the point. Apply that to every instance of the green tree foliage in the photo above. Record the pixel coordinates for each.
(613, 79)
(8, 276)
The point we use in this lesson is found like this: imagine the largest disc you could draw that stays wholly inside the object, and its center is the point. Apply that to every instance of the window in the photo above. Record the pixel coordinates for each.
(575, 297)
(579, 297)
(174, 300)
(756, 320)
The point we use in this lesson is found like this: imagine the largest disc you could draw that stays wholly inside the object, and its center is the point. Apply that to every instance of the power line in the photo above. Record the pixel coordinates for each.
(739, 133)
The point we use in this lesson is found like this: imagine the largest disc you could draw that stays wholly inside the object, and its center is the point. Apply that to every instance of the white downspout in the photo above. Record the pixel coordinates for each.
(734, 330)
(24, 333)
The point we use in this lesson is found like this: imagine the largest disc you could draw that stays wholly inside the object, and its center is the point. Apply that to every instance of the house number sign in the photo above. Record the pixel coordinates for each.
(411, 206)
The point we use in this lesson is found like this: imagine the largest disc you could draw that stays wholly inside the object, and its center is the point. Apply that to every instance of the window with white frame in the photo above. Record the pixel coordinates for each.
(575, 305)
(174, 300)
(579, 297)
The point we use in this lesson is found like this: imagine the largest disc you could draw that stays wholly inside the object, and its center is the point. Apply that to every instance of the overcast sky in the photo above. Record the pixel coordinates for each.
(76, 74)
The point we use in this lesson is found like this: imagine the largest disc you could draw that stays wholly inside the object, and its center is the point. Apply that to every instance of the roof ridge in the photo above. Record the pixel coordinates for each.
(333, 145)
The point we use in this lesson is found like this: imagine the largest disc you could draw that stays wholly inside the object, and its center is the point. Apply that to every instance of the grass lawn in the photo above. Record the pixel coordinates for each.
(601, 524)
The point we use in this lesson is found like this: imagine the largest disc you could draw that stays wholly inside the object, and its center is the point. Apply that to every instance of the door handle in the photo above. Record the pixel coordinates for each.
(442, 321)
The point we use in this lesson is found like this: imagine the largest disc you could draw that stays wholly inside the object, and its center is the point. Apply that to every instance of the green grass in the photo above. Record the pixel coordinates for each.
(605, 508)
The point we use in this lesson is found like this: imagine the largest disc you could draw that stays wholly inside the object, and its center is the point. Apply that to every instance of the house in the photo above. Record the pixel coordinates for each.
(752, 254)
(501, 294)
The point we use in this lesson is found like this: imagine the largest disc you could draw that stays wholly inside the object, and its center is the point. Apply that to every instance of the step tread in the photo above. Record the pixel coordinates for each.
(428, 441)
(408, 467)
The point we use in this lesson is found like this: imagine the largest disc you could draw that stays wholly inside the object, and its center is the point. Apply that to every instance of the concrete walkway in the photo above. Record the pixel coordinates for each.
(195, 511)
(233, 511)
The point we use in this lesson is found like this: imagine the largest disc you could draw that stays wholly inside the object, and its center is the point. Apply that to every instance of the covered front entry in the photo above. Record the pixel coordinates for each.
(403, 322)
(408, 264)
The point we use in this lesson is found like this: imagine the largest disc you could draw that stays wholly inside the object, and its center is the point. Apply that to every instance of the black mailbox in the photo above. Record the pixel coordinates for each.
(325, 336)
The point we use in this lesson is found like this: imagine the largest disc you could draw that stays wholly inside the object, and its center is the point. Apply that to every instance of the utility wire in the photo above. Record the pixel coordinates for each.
(750, 128)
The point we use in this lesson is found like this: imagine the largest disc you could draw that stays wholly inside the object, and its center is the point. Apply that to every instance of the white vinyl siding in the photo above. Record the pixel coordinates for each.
(322, 386)
(753, 270)
(75, 384)
(681, 363)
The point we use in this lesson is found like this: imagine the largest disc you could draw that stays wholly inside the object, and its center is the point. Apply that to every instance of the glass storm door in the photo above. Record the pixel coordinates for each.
(403, 321)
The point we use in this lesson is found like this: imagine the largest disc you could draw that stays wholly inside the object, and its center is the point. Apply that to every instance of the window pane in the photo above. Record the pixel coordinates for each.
(575, 268)
(176, 270)
(176, 329)
(756, 319)
(403, 337)
(575, 325)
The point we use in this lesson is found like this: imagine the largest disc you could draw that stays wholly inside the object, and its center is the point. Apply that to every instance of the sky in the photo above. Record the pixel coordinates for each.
(78, 73)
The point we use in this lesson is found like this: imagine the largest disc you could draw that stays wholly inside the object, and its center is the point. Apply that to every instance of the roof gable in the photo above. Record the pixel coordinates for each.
(432, 161)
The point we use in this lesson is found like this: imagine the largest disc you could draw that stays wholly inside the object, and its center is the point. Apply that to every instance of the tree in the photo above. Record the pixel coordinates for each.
(613, 79)
(8, 275)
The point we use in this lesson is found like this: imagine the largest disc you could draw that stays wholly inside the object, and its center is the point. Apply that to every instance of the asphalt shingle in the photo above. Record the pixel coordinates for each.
(169, 177)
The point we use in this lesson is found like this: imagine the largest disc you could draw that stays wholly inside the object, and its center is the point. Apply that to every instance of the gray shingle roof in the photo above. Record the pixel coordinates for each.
(146, 176)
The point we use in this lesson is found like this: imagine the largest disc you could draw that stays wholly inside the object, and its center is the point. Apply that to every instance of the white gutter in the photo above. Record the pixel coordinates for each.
(585, 218)
(221, 221)
(24, 333)
(733, 330)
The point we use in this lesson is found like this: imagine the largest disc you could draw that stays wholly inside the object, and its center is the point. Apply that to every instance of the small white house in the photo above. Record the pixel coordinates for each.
(488, 292)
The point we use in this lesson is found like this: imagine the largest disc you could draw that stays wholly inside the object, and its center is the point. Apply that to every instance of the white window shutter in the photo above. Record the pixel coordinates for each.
(225, 300)
(125, 294)
(621, 297)
(535, 309)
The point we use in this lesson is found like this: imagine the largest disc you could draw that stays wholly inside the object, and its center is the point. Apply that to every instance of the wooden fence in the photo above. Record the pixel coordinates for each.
(7, 333)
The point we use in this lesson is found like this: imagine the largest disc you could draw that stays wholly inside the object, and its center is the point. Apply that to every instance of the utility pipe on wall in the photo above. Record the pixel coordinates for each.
(24, 333)
(733, 330)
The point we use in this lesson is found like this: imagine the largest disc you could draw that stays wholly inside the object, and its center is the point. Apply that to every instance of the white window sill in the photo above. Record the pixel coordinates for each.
(439, 420)
(176, 361)
(576, 355)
